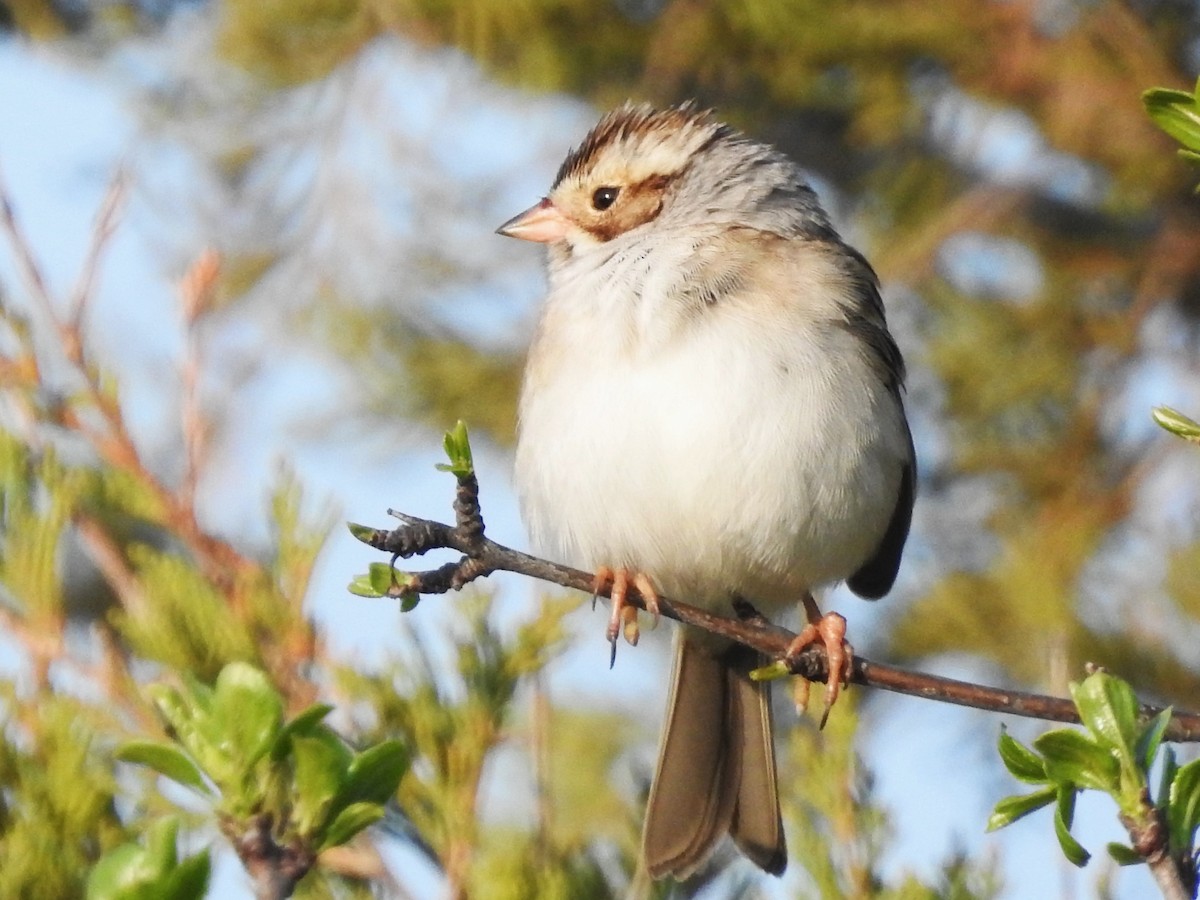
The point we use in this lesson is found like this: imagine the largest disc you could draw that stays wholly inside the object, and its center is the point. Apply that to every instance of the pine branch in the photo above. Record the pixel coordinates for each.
(482, 556)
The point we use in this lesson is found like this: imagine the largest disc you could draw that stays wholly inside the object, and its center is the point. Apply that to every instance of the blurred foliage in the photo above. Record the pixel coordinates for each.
(407, 374)
(58, 809)
(839, 835)
(134, 872)
(282, 792)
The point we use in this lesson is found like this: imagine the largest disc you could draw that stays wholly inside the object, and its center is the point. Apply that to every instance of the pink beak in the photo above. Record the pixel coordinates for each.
(542, 223)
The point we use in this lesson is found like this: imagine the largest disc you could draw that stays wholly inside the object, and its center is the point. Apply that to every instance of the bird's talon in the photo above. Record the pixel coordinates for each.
(800, 694)
(830, 631)
(649, 596)
(623, 617)
(630, 628)
(603, 577)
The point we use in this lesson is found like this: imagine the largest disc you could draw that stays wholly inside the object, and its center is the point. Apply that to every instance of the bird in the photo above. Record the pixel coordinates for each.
(711, 410)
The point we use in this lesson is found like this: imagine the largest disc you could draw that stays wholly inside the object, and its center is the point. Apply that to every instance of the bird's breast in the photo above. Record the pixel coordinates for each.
(743, 454)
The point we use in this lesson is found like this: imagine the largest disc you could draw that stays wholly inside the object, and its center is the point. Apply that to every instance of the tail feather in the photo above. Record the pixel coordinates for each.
(716, 767)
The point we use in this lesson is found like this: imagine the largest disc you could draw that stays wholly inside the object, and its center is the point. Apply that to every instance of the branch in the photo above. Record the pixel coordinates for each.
(482, 556)
(1148, 833)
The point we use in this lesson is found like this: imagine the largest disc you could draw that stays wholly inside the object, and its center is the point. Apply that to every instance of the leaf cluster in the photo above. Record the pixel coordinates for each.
(150, 870)
(232, 746)
(1113, 755)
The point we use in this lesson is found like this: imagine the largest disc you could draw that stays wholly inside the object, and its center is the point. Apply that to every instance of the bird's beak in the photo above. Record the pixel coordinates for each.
(542, 223)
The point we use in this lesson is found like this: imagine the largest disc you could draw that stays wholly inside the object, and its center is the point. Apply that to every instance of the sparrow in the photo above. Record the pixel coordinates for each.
(711, 410)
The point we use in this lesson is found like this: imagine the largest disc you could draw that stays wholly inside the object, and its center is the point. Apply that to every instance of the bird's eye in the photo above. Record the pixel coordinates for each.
(605, 197)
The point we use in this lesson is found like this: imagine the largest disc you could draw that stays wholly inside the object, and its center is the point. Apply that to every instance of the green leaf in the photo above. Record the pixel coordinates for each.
(160, 841)
(1020, 761)
(1183, 808)
(364, 533)
(1017, 806)
(1151, 737)
(1124, 856)
(362, 586)
(1109, 709)
(247, 711)
(1175, 112)
(349, 822)
(457, 445)
(131, 872)
(386, 579)
(190, 722)
(321, 763)
(304, 723)
(771, 671)
(189, 880)
(1177, 423)
(176, 712)
(1064, 813)
(199, 694)
(116, 872)
(1166, 778)
(166, 760)
(375, 774)
(1071, 757)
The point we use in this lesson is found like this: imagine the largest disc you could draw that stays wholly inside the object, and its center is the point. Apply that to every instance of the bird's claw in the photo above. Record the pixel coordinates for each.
(623, 619)
(830, 631)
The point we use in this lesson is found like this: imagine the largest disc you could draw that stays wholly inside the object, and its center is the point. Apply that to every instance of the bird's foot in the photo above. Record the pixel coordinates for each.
(830, 631)
(624, 617)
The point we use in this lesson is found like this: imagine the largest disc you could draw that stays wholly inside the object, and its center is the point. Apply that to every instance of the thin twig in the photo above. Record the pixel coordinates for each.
(196, 291)
(107, 219)
(110, 437)
(482, 556)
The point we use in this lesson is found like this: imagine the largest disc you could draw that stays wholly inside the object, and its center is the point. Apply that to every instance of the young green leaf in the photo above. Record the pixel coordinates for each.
(771, 671)
(364, 533)
(189, 720)
(1151, 737)
(1070, 757)
(304, 723)
(1166, 778)
(386, 579)
(248, 712)
(189, 879)
(150, 872)
(1064, 813)
(362, 586)
(1183, 808)
(1109, 709)
(1176, 113)
(349, 822)
(457, 445)
(1017, 806)
(321, 762)
(1124, 856)
(408, 599)
(375, 774)
(161, 838)
(166, 760)
(116, 874)
(1177, 423)
(1020, 761)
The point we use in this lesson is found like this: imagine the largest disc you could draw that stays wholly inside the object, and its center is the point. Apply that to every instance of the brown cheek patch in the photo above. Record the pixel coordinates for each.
(637, 205)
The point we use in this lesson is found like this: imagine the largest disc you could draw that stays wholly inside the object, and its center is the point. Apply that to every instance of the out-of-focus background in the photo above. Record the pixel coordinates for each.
(173, 491)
